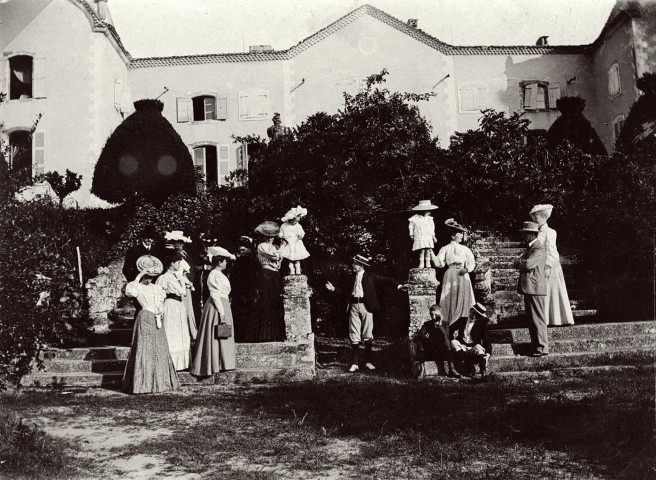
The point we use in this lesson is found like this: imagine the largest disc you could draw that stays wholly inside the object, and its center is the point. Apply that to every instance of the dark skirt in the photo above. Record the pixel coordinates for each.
(149, 368)
(270, 322)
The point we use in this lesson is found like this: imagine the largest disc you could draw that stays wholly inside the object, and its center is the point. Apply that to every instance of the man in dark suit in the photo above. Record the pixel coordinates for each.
(362, 304)
(145, 247)
(471, 341)
(533, 285)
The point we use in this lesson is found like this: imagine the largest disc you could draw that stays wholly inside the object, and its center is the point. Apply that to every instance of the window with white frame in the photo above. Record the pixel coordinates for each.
(202, 107)
(20, 151)
(614, 86)
(472, 97)
(539, 95)
(618, 124)
(213, 162)
(254, 104)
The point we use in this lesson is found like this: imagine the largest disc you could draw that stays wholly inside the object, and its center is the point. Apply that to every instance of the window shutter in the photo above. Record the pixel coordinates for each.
(183, 106)
(530, 96)
(467, 98)
(39, 153)
(242, 156)
(209, 105)
(199, 157)
(222, 108)
(224, 158)
(126, 100)
(118, 94)
(554, 95)
(481, 97)
(244, 106)
(39, 69)
(541, 102)
(3, 79)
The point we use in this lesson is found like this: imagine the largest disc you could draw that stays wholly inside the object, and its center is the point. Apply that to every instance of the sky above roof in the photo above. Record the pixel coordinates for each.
(188, 27)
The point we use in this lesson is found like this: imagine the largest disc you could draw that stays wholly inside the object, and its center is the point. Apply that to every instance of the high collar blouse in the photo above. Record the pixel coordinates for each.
(455, 253)
(547, 237)
(219, 287)
(150, 297)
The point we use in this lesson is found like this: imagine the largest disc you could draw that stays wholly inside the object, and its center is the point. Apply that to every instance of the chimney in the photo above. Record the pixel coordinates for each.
(101, 9)
(259, 48)
(412, 22)
(542, 41)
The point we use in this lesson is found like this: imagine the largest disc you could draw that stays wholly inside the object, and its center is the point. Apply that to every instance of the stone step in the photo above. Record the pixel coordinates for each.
(57, 367)
(499, 243)
(490, 252)
(593, 330)
(81, 379)
(570, 360)
(580, 345)
(93, 353)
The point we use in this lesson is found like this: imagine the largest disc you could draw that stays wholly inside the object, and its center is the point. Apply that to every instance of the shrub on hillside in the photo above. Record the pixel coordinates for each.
(41, 299)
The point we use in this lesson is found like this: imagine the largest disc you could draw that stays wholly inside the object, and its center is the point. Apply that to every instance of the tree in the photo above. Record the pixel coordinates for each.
(144, 157)
(63, 186)
(640, 124)
(573, 128)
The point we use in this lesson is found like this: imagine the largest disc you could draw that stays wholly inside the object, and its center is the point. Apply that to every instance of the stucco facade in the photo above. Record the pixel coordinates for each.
(84, 81)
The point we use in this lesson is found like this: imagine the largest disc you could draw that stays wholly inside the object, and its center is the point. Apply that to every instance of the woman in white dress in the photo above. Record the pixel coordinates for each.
(291, 232)
(422, 232)
(457, 296)
(557, 307)
(174, 317)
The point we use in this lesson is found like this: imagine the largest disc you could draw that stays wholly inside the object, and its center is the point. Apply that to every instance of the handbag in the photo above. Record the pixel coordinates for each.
(222, 330)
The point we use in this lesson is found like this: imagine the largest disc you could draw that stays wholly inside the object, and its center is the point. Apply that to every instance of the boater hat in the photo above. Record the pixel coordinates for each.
(149, 264)
(362, 260)
(480, 309)
(268, 229)
(176, 236)
(530, 227)
(424, 205)
(219, 252)
(539, 208)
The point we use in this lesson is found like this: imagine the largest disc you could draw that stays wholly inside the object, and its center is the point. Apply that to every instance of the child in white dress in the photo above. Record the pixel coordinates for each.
(422, 232)
(292, 234)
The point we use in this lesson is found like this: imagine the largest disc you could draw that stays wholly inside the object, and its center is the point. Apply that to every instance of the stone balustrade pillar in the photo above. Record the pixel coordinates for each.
(422, 290)
(298, 326)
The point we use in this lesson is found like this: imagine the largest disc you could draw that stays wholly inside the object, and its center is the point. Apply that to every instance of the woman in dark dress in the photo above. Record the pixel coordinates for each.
(245, 279)
(270, 325)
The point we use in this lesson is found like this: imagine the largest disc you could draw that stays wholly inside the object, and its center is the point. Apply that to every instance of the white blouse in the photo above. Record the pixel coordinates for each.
(547, 237)
(150, 297)
(455, 253)
(219, 287)
(172, 283)
(269, 256)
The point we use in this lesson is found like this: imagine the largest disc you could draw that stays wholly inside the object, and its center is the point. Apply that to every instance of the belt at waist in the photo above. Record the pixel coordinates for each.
(455, 265)
(271, 267)
(174, 297)
(356, 300)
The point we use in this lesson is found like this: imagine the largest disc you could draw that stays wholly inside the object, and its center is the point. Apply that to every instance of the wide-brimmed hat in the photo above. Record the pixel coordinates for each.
(268, 229)
(245, 241)
(530, 227)
(424, 205)
(451, 223)
(546, 208)
(219, 252)
(294, 212)
(176, 236)
(362, 260)
(149, 264)
(480, 309)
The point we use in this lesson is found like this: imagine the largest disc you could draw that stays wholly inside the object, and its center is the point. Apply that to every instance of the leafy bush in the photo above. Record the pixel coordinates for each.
(41, 299)
(62, 185)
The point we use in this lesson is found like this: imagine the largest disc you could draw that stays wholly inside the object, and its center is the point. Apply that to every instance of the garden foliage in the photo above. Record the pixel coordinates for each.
(63, 185)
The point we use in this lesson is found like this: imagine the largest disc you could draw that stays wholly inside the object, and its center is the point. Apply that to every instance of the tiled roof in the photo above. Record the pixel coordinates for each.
(623, 10)
(317, 37)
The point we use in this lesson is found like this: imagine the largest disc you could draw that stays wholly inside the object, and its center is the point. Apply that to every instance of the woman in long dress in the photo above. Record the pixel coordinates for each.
(245, 279)
(457, 296)
(212, 354)
(557, 308)
(149, 367)
(175, 242)
(176, 324)
(271, 323)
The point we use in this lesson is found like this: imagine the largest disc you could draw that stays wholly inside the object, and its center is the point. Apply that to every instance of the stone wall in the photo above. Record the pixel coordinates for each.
(104, 292)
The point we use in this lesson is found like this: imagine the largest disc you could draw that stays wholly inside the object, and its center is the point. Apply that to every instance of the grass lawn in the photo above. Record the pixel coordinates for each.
(576, 425)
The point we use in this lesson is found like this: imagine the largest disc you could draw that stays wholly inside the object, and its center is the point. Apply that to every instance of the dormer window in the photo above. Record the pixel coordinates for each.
(20, 77)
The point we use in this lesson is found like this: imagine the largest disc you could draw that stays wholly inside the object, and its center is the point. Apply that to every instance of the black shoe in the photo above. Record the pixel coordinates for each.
(538, 354)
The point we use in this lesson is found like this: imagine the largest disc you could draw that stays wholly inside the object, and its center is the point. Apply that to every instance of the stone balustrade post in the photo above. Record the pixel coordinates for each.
(422, 290)
(298, 326)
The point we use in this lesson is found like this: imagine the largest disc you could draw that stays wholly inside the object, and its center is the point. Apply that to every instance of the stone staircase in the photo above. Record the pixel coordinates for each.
(625, 343)
(104, 366)
(495, 282)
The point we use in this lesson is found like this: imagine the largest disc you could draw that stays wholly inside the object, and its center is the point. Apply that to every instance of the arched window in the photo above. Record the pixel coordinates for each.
(20, 77)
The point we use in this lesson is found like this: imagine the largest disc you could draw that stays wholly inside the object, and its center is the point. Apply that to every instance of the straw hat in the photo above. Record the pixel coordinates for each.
(268, 229)
(149, 264)
(424, 205)
(451, 223)
(176, 236)
(539, 208)
(294, 212)
(219, 252)
(480, 309)
(530, 227)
